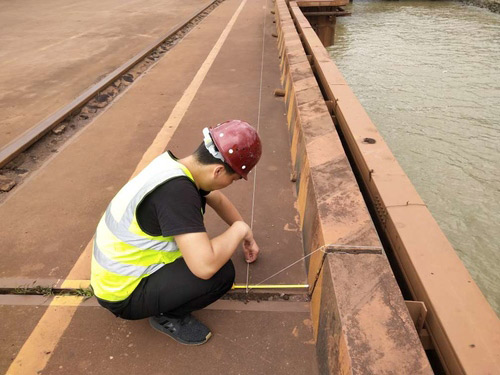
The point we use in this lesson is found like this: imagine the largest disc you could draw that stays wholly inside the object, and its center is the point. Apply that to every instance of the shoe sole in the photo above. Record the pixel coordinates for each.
(159, 328)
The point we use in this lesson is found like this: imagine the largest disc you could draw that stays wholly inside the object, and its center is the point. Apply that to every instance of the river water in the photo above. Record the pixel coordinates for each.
(428, 74)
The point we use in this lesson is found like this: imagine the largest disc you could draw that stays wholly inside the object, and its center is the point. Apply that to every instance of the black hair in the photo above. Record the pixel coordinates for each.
(204, 157)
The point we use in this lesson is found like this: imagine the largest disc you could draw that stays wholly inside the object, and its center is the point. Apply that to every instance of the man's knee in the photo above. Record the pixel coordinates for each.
(226, 275)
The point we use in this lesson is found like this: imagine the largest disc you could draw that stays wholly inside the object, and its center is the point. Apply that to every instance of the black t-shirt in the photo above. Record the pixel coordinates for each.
(173, 208)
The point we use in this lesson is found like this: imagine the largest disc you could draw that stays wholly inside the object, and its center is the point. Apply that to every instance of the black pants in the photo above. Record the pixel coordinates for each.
(173, 291)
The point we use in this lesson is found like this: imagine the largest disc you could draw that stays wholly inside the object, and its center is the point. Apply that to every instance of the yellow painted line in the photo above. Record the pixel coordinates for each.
(33, 356)
(160, 142)
(71, 301)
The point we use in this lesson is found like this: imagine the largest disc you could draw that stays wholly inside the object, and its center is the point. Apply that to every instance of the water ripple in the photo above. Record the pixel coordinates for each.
(427, 73)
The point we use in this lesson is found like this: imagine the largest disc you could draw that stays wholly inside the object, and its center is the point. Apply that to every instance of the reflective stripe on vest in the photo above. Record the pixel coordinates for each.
(121, 268)
(123, 253)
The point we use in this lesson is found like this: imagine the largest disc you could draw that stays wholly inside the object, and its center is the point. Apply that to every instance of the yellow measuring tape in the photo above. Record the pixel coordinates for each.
(270, 286)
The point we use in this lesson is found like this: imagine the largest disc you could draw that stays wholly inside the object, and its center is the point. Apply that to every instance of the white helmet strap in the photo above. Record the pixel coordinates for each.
(210, 146)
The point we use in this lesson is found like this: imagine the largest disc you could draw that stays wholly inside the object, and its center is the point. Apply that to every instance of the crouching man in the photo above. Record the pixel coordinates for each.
(152, 257)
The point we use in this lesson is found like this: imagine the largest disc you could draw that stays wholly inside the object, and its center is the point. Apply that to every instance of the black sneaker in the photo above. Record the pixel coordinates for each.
(186, 330)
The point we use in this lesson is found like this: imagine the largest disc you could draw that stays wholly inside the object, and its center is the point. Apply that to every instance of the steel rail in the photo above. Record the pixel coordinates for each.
(25, 140)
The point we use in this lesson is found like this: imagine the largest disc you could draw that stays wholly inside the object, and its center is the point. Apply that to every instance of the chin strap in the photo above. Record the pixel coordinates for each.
(210, 146)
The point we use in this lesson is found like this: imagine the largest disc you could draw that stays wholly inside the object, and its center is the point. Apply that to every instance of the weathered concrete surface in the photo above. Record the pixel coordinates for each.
(74, 200)
(232, 90)
(16, 324)
(71, 191)
(110, 148)
(244, 342)
(248, 338)
(50, 54)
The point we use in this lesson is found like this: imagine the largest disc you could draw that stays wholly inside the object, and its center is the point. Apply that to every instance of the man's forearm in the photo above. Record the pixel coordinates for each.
(226, 210)
(226, 243)
(205, 256)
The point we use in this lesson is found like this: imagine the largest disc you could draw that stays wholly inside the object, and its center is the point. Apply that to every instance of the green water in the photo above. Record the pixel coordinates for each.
(428, 74)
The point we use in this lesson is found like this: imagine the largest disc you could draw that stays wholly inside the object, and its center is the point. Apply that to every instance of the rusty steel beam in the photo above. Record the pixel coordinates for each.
(462, 325)
(335, 13)
(21, 143)
(357, 308)
(321, 3)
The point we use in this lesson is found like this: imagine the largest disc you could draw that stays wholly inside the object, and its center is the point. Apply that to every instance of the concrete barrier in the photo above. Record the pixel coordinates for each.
(360, 319)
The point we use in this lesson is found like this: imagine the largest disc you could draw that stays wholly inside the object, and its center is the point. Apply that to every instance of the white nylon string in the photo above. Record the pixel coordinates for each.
(333, 247)
(287, 267)
(258, 126)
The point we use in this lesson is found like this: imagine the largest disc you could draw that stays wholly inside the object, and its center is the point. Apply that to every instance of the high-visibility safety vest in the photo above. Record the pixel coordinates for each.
(123, 253)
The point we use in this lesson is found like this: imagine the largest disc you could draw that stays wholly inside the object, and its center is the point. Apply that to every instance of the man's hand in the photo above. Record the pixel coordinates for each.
(228, 212)
(250, 248)
(205, 256)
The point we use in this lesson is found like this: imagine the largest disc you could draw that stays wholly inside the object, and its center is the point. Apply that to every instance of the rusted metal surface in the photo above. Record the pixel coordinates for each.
(336, 13)
(325, 28)
(21, 143)
(322, 3)
(332, 211)
(462, 325)
(418, 313)
(353, 286)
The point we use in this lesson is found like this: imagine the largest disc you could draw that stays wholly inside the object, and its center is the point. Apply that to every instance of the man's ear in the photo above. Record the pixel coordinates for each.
(219, 170)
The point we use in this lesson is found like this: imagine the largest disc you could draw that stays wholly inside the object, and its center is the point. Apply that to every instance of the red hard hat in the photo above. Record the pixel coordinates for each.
(239, 144)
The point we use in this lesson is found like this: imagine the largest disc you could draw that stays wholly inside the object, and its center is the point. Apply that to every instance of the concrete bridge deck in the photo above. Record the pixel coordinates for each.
(225, 68)
(302, 198)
